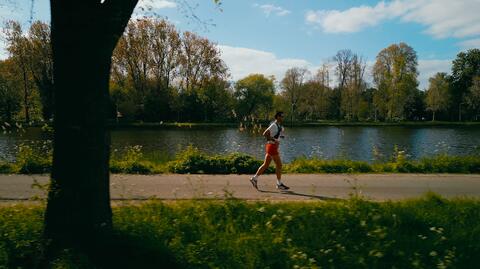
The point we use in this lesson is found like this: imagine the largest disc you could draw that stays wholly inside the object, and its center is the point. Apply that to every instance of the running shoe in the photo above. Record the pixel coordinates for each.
(254, 182)
(282, 187)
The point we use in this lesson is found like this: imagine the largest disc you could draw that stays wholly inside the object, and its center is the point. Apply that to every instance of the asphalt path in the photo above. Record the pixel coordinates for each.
(378, 187)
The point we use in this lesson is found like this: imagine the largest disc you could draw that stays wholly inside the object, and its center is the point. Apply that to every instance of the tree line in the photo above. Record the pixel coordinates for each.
(162, 74)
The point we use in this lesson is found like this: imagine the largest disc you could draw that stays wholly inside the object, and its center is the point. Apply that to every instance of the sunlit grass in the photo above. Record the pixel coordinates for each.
(431, 232)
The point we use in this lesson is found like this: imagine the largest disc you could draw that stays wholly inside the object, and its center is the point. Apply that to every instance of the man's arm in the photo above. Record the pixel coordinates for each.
(268, 136)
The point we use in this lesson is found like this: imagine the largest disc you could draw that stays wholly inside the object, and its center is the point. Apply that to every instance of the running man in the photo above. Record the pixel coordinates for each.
(273, 134)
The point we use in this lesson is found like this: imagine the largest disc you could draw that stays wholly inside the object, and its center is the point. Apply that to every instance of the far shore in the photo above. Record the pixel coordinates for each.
(165, 125)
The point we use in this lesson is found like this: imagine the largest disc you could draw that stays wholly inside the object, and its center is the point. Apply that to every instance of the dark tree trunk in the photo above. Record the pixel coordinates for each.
(84, 34)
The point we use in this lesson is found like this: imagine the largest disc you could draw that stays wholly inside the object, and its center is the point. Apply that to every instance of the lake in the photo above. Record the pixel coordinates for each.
(328, 142)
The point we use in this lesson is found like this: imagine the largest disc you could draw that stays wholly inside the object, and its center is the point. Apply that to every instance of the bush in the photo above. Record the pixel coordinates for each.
(132, 163)
(192, 161)
(29, 161)
(303, 165)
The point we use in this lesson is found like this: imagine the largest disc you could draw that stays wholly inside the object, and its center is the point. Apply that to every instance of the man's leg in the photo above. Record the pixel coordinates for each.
(278, 171)
(260, 170)
(264, 166)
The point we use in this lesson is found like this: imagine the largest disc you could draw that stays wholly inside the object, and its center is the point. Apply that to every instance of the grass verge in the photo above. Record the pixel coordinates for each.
(193, 161)
(431, 232)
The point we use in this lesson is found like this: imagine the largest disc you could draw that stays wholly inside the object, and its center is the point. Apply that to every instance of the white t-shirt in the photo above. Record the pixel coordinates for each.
(273, 128)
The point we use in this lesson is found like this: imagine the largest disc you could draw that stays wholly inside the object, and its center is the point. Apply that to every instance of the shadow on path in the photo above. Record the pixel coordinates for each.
(319, 197)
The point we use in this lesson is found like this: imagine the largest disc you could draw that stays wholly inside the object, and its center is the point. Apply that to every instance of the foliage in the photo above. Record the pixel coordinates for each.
(473, 97)
(431, 232)
(254, 94)
(161, 74)
(132, 163)
(395, 75)
(10, 94)
(304, 165)
(32, 159)
(465, 67)
(192, 161)
(437, 94)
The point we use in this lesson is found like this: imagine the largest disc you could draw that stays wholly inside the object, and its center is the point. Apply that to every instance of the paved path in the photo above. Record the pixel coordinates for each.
(303, 186)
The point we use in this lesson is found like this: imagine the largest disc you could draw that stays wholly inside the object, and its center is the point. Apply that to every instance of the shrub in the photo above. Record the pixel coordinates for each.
(29, 161)
(192, 161)
(131, 162)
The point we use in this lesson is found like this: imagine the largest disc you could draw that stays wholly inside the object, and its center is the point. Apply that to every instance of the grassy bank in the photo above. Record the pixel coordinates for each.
(431, 232)
(193, 161)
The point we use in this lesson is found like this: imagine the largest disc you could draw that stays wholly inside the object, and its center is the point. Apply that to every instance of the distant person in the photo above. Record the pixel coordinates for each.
(273, 134)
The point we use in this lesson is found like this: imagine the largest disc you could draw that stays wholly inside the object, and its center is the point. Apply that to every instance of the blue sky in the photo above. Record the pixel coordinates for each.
(270, 36)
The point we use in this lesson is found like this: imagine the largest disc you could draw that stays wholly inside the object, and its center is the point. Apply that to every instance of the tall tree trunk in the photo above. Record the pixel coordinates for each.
(433, 116)
(84, 34)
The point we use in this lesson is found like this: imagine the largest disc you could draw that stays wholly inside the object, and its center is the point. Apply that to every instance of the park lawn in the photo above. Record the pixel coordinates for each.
(431, 232)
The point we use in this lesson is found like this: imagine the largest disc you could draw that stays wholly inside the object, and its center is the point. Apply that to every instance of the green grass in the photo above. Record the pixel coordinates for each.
(193, 161)
(431, 232)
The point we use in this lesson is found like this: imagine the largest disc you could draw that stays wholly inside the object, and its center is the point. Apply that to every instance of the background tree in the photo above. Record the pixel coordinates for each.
(217, 99)
(253, 94)
(10, 92)
(353, 86)
(17, 46)
(199, 61)
(415, 107)
(293, 85)
(465, 67)
(313, 103)
(40, 64)
(395, 75)
(131, 61)
(437, 94)
(472, 97)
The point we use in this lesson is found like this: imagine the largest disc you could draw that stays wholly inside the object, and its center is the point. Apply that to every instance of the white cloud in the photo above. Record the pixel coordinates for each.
(443, 18)
(244, 61)
(470, 44)
(155, 4)
(350, 20)
(151, 8)
(269, 9)
(428, 68)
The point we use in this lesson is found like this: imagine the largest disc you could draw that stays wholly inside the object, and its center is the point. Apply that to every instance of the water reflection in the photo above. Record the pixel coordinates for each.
(329, 142)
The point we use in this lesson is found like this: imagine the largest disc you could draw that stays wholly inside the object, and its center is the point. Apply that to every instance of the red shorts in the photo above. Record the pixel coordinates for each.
(271, 149)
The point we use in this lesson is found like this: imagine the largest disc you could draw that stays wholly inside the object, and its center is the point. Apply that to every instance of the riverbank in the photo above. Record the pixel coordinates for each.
(193, 161)
(169, 125)
(156, 125)
(431, 232)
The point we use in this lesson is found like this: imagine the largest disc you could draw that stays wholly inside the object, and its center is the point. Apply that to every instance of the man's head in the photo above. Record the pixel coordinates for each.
(279, 116)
